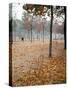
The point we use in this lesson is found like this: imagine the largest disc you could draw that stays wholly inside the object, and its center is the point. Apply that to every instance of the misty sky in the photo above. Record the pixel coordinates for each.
(17, 12)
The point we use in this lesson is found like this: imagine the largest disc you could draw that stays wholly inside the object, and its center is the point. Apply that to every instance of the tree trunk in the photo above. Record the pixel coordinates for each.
(43, 32)
(29, 35)
(31, 29)
(50, 46)
(65, 28)
(37, 35)
(10, 31)
(55, 35)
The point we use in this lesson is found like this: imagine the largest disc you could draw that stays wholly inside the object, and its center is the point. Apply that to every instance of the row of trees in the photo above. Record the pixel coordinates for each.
(33, 23)
(37, 15)
(41, 11)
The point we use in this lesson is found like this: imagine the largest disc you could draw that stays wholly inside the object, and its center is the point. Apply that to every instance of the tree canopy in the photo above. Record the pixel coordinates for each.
(36, 9)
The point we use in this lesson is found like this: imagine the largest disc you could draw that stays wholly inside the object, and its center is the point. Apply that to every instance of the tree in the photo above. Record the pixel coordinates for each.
(51, 24)
(41, 10)
(65, 28)
(43, 23)
(27, 23)
(37, 10)
(38, 26)
(10, 31)
(31, 28)
(60, 11)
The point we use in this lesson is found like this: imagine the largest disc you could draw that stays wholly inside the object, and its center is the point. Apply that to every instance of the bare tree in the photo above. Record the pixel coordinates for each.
(51, 24)
(27, 24)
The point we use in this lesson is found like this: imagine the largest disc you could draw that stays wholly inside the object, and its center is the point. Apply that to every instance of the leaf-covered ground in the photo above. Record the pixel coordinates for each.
(31, 64)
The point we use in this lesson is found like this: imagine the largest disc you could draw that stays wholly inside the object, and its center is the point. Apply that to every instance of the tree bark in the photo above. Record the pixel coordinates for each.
(29, 35)
(10, 31)
(31, 28)
(51, 24)
(65, 28)
(43, 32)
